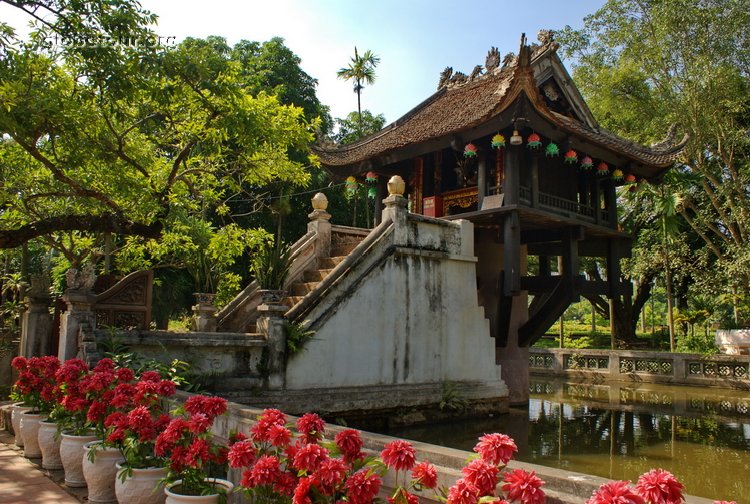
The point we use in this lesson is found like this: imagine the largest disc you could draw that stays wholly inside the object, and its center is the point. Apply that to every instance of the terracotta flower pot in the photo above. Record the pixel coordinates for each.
(49, 444)
(71, 454)
(100, 472)
(142, 486)
(30, 434)
(177, 498)
(15, 421)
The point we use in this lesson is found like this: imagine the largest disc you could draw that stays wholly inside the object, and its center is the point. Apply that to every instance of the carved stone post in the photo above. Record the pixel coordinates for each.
(320, 224)
(36, 323)
(395, 209)
(204, 313)
(271, 324)
(79, 298)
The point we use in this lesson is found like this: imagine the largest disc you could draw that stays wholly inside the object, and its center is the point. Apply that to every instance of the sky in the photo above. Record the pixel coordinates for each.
(415, 39)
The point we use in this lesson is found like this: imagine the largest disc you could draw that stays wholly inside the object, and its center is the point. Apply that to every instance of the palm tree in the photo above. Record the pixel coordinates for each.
(362, 70)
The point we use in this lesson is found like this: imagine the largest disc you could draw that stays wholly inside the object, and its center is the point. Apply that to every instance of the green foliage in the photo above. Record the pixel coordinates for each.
(355, 126)
(450, 399)
(297, 335)
(271, 264)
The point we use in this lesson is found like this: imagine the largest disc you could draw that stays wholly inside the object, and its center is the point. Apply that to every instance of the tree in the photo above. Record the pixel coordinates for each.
(361, 70)
(644, 65)
(129, 139)
(357, 125)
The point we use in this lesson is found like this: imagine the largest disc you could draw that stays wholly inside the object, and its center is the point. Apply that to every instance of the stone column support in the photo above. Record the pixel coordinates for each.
(204, 313)
(320, 224)
(36, 323)
(271, 325)
(396, 209)
(79, 298)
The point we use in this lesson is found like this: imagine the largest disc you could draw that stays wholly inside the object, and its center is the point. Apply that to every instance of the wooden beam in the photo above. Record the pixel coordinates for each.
(512, 255)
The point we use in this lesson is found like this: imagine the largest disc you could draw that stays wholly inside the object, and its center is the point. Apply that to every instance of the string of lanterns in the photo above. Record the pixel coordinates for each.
(351, 184)
(571, 157)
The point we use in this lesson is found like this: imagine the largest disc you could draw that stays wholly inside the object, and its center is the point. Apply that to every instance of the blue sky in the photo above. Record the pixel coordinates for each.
(415, 39)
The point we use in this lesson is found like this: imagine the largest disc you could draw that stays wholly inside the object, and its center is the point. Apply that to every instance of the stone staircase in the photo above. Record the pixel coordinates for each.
(341, 246)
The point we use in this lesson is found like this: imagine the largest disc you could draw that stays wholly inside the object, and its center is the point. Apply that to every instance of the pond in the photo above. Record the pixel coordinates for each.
(620, 431)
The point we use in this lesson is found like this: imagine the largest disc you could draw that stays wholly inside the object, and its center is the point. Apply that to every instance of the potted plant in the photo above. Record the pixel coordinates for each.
(72, 423)
(193, 455)
(37, 390)
(133, 428)
(271, 265)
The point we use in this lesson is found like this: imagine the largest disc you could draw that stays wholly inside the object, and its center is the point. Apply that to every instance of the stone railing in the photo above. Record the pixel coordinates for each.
(655, 367)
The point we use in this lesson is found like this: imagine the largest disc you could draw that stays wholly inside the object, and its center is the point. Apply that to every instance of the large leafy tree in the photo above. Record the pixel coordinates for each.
(644, 65)
(139, 140)
(360, 70)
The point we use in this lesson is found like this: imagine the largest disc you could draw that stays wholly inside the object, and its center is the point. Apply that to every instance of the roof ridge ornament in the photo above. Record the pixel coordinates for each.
(445, 77)
(492, 61)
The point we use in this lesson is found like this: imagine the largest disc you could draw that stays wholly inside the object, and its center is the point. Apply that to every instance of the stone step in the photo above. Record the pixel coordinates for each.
(290, 301)
(302, 288)
(316, 275)
(330, 262)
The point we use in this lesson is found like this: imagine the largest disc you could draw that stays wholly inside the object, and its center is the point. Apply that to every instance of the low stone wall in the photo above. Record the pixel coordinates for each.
(638, 366)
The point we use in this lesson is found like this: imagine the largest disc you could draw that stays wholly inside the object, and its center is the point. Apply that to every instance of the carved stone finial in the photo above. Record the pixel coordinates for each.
(545, 37)
(396, 185)
(509, 59)
(81, 280)
(39, 286)
(459, 78)
(445, 77)
(493, 59)
(476, 72)
(319, 201)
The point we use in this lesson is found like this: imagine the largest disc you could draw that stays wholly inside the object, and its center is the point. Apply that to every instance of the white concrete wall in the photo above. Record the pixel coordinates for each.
(413, 318)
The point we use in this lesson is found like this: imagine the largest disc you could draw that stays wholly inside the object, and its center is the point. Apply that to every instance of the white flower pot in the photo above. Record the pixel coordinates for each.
(15, 421)
(49, 444)
(30, 434)
(176, 498)
(71, 454)
(142, 486)
(101, 472)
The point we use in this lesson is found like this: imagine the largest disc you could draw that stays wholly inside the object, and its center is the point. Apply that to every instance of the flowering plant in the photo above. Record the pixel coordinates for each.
(71, 411)
(137, 419)
(188, 442)
(36, 385)
(282, 468)
(657, 486)
(399, 455)
(481, 475)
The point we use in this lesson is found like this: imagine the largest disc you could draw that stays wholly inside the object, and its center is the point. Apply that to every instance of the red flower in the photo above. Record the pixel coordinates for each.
(96, 412)
(311, 427)
(19, 363)
(124, 375)
(362, 487)
(659, 487)
(166, 388)
(241, 454)
(105, 365)
(285, 484)
(150, 376)
(496, 448)
(309, 457)
(199, 423)
(330, 474)
(425, 474)
(463, 492)
(350, 444)
(482, 475)
(399, 455)
(615, 492)
(210, 406)
(265, 471)
(198, 452)
(301, 493)
(523, 486)
(279, 435)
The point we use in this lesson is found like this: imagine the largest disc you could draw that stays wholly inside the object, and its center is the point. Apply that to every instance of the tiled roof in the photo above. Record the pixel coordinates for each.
(455, 108)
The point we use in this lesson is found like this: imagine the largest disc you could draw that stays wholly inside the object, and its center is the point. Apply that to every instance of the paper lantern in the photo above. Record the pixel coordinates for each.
(602, 168)
(587, 163)
(571, 157)
(552, 150)
(371, 177)
(470, 150)
(498, 141)
(534, 141)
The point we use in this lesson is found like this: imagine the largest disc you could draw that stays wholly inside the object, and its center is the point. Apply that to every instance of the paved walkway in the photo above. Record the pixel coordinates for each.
(23, 480)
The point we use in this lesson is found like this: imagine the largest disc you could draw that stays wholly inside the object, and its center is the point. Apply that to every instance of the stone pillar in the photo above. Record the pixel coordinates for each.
(36, 323)
(320, 224)
(204, 313)
(271, 324)
(79, 298)
(396, 211)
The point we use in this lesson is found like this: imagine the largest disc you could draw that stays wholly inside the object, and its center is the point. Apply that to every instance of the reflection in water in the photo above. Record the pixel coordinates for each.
(620, 432)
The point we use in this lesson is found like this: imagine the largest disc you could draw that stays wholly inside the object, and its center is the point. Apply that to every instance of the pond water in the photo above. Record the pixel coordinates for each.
(620, 431)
